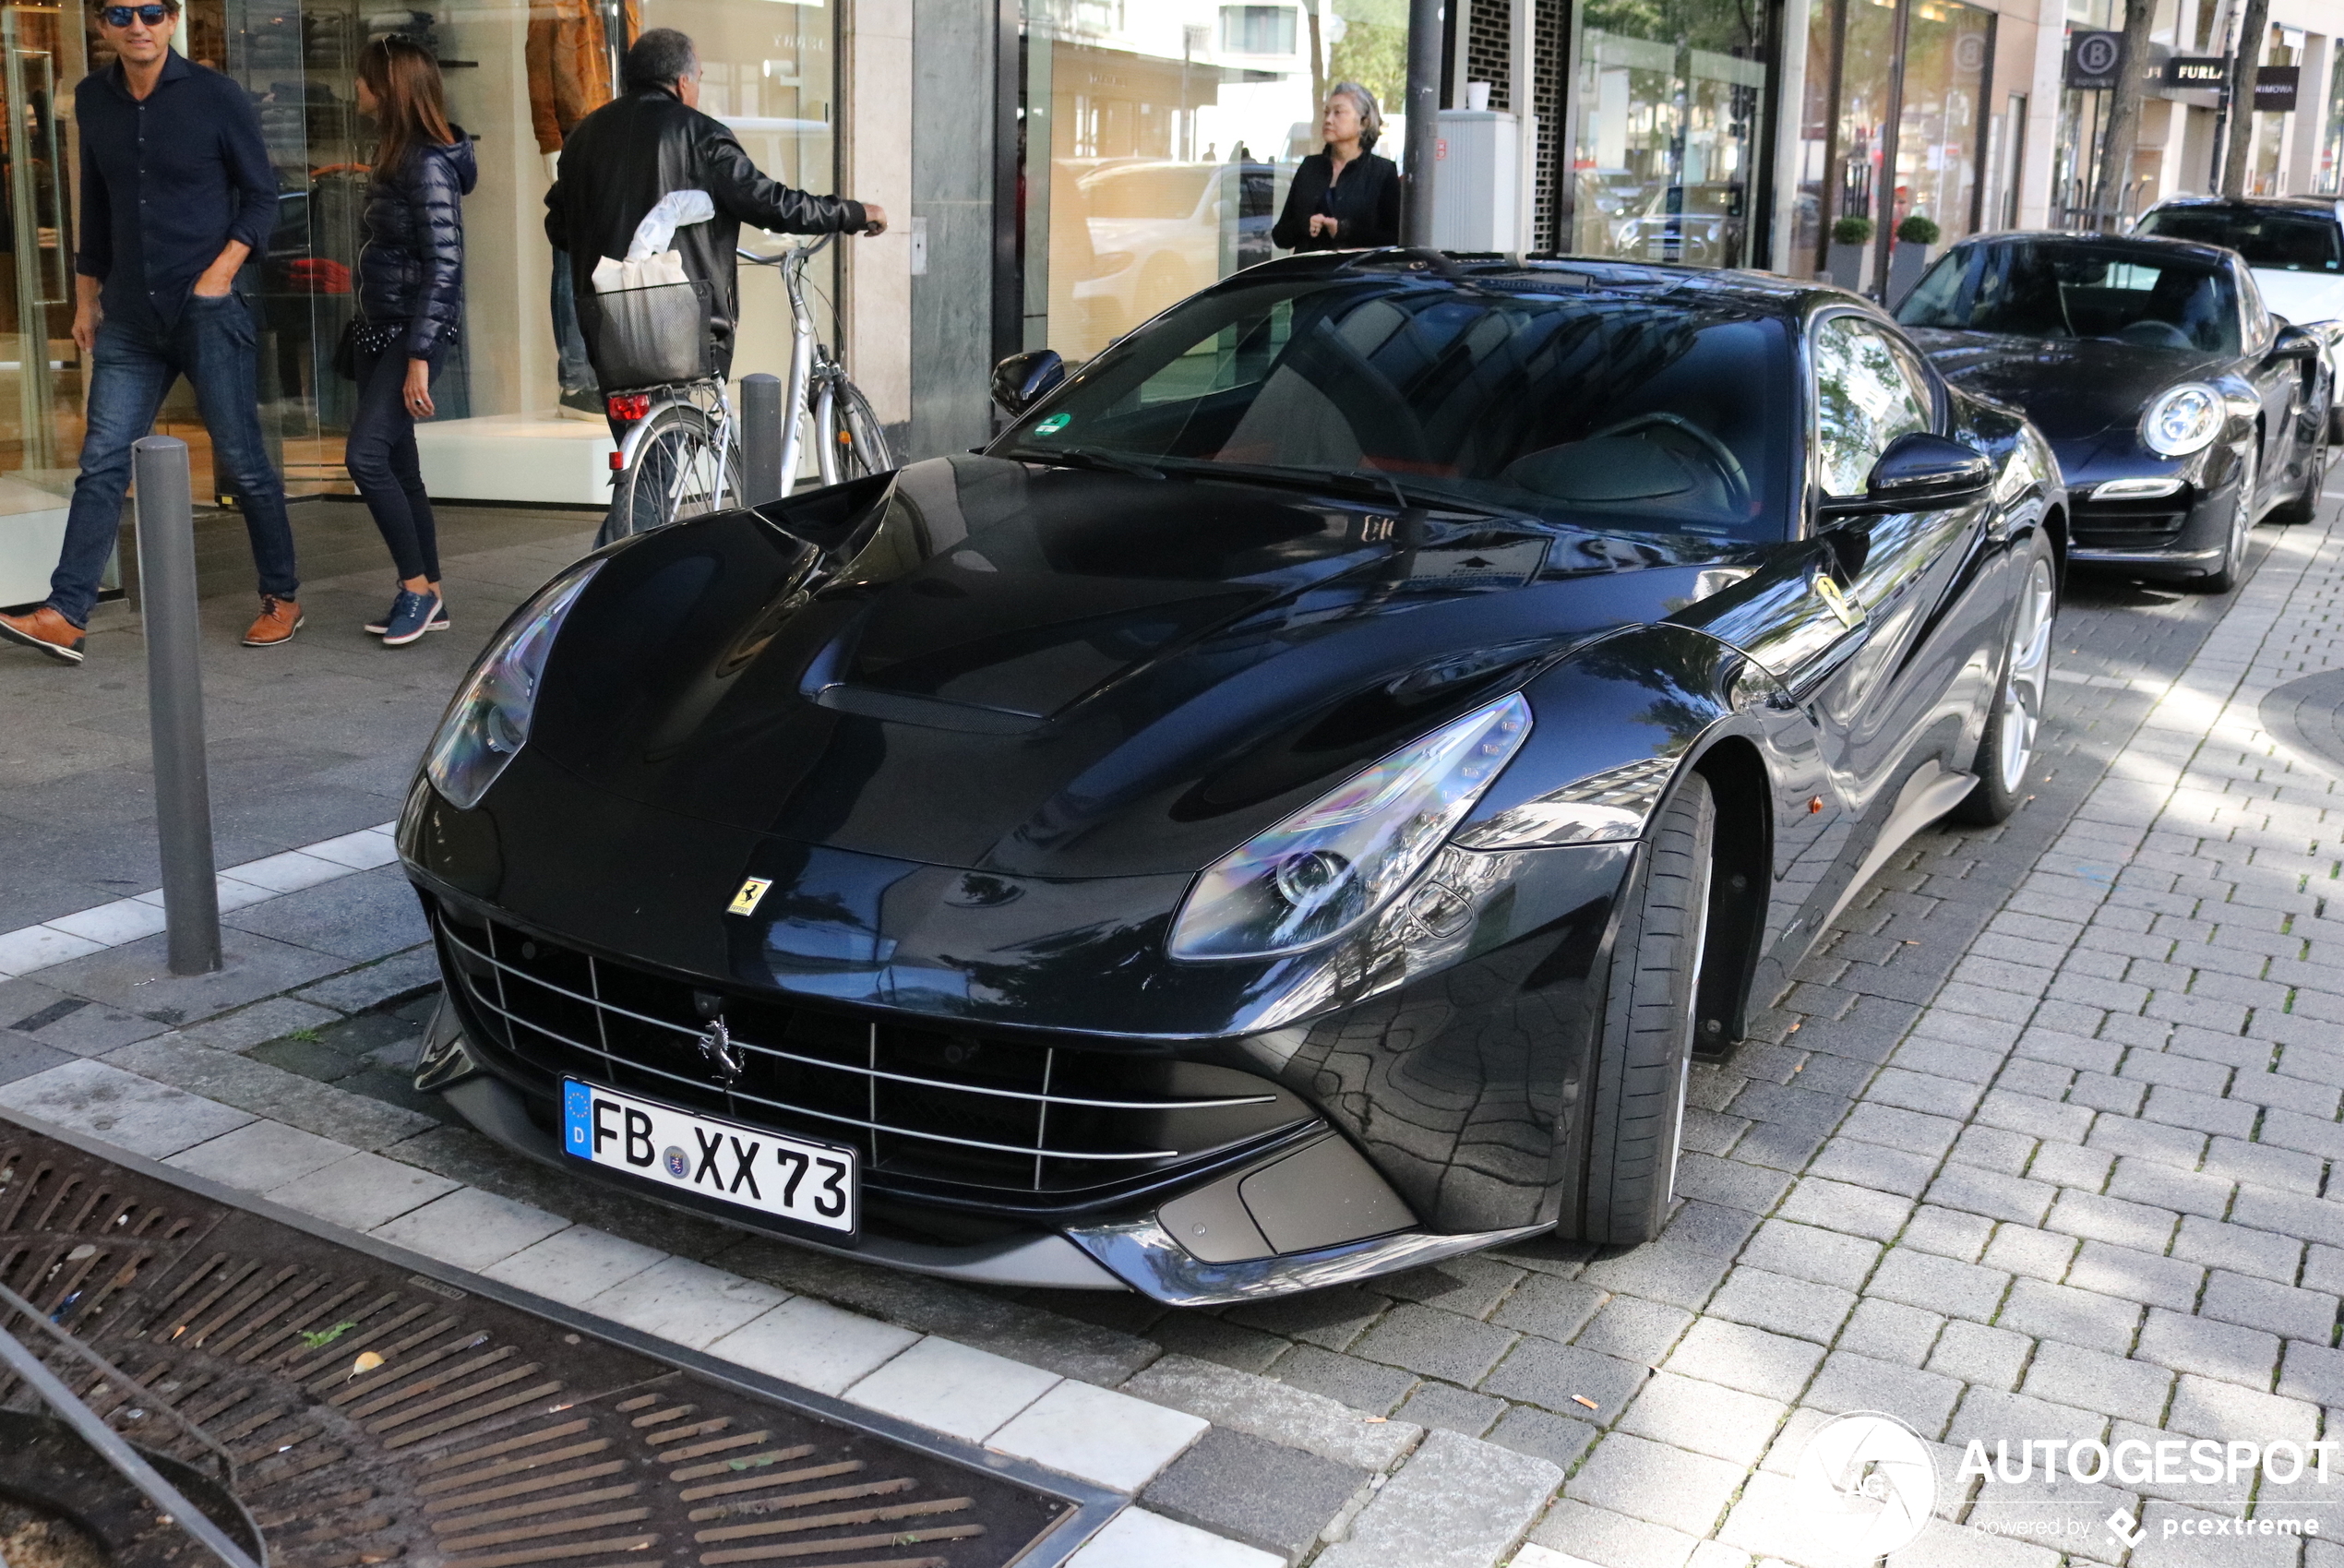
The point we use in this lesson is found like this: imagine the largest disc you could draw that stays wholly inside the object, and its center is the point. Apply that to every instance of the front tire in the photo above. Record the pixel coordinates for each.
(862, 442)
(1644, 1062)
(2006, 750)
(2233, 571)
(2304, 504)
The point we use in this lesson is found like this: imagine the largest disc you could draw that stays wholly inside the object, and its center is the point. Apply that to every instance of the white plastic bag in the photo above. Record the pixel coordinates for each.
(612, 274)
(677, 210)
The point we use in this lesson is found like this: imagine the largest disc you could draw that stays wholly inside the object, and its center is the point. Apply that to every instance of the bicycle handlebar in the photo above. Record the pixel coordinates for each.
(794, 252)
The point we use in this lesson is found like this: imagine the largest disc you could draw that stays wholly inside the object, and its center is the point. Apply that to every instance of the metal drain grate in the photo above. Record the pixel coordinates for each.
(376, 1416)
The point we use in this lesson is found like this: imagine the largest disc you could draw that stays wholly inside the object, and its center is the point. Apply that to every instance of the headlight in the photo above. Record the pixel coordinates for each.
(1331, 866)
(488, 722)
(2183, 421)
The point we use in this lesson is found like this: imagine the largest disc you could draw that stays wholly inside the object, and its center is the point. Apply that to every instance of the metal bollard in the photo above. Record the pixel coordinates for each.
(174, 702)
(761, 439)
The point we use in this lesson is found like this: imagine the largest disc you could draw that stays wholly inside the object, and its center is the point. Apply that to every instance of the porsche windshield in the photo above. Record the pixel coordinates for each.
(2290, 242)
(1611, 410)
(2065, 288)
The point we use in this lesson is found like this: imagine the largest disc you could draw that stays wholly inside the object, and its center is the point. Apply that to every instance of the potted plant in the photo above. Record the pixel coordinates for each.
(1910, 259)
(1850, 237)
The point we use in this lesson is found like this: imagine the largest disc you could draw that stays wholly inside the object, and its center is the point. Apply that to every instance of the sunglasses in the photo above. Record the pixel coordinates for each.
(120, 16)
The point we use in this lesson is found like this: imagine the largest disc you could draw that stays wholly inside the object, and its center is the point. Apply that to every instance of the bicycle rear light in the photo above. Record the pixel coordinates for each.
(629, 406)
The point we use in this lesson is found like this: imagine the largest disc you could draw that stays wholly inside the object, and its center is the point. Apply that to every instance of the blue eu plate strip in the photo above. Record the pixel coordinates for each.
(578, 1131)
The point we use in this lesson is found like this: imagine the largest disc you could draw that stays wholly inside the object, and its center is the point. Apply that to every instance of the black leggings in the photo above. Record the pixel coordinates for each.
(380, 455)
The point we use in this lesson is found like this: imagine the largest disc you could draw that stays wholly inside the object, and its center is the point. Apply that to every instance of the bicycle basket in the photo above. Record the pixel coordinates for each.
(648, 337)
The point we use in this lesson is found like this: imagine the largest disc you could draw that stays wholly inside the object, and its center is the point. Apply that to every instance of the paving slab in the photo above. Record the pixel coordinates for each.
(1457, 1504)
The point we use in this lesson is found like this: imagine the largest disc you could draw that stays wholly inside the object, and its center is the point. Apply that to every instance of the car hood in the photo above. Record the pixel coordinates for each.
(2074, 389)
(987, 664)
(2301, 297)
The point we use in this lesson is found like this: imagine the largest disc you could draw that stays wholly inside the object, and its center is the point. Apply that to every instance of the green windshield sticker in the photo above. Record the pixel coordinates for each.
(1053, 424)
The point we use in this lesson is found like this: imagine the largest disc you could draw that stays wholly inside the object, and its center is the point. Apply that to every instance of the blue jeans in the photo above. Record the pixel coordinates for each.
(380, 455)
(576, 374)
(213, 346)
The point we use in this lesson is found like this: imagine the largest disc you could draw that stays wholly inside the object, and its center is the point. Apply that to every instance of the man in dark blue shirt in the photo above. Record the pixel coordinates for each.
(177, 191)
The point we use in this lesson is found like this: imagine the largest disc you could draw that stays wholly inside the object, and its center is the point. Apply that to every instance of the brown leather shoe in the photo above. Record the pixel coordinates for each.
(280, 618)
(47, 630)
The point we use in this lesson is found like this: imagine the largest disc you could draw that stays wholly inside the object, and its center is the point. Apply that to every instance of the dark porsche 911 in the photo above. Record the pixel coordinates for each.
(1287, 811)
(2181, 411)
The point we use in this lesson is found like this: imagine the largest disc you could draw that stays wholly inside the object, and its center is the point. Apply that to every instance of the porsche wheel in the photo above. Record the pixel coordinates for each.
(2304, 504)
(2006, 750)
(1646, 1058)
(2233, 571)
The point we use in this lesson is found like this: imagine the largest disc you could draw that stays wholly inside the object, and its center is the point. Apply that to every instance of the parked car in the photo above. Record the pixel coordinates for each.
(1288, 810)
(1701, 225)
(1160, 230)
(2295, 244)
(2181, 411)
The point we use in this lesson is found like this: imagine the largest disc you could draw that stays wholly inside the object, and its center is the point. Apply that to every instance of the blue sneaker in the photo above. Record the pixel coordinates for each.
(382, 623)
(411, 617)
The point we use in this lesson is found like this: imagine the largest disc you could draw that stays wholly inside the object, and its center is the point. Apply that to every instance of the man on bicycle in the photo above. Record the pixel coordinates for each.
(619, 160)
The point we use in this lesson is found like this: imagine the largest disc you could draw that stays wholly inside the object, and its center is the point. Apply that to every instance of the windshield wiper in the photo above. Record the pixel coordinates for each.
(1086, 457)
(1355, 482)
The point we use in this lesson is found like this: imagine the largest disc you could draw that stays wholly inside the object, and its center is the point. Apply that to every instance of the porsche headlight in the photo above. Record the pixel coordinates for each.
(1328, 867)
(488, 722)
(2183, 421)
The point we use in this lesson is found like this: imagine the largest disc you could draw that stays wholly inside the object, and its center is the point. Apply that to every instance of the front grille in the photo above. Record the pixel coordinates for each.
(2129, 525)
(934, 1110)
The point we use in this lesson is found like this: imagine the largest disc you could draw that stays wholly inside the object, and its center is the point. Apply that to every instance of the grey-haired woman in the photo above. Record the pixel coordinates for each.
(1346, 198)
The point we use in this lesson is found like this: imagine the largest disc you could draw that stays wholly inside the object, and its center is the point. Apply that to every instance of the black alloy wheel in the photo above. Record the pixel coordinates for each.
(2233, 571)
(2304, 504)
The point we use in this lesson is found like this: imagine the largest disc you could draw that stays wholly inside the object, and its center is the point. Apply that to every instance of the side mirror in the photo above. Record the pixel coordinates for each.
(1921, 470)
(2293, 343)
(1022, 380)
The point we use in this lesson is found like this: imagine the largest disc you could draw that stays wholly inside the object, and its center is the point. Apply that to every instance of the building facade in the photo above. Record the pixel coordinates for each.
(1060, 169)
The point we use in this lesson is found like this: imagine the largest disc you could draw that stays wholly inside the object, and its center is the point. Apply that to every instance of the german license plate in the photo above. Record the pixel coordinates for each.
(750, 1166)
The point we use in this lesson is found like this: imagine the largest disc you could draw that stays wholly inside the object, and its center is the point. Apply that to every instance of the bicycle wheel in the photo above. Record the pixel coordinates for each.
(675, 474)
(862, 444)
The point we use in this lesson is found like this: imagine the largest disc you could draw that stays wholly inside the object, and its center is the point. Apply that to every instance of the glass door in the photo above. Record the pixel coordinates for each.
(1669, 111)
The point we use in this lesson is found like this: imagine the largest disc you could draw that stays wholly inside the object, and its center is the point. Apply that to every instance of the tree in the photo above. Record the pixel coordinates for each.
(2124, 113)
(2241, 118)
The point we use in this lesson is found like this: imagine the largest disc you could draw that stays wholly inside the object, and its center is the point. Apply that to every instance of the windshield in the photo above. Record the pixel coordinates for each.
(2289, 242)
(2129, 294)
(1609, 410)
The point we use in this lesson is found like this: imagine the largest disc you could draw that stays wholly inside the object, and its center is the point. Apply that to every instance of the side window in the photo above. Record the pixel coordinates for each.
(1864, 399)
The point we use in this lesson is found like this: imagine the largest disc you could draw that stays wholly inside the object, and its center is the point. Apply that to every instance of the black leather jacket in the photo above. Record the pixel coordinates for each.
(411, 267)
(618, 162)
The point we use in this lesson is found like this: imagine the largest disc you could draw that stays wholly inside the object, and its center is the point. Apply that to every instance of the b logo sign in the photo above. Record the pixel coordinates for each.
(1867, 1483)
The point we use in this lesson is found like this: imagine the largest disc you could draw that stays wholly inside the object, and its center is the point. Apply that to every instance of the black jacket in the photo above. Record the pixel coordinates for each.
(410, 267)
(618, 162)
(1365, 202)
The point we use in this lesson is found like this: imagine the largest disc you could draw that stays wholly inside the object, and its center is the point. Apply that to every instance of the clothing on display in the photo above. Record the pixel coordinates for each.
(567, 54)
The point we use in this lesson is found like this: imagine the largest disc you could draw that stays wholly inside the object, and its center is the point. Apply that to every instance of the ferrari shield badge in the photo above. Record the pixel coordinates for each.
(745, 900)
(1831, 593)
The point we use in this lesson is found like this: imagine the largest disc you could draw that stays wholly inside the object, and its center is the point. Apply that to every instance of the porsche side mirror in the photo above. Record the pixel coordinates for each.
(1020, 380)
(1920, 470)
(2293, 343)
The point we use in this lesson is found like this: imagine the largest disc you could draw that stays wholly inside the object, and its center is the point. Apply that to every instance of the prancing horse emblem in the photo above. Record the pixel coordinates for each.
(716, 1046)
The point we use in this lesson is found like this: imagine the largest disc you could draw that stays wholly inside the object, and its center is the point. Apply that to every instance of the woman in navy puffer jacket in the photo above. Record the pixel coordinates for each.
(411, 300)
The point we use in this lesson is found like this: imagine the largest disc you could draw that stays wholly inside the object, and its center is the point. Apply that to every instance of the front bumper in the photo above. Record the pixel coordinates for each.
(2177, 536)
(1138, 1254)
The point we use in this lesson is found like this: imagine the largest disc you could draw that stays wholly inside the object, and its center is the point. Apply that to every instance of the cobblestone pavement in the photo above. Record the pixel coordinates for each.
(2037, 1148)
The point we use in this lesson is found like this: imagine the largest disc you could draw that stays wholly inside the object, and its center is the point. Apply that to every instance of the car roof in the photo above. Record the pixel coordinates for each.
(2062, 239)
(1764, 293)
(2322, 204)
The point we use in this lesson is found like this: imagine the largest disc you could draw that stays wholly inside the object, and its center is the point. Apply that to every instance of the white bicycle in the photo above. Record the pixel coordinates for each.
(682, 457)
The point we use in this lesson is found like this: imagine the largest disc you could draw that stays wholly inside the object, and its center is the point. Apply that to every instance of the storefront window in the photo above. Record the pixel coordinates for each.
(1159, 140)
(1859, 116)
(1671, 109)
(769, 74)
